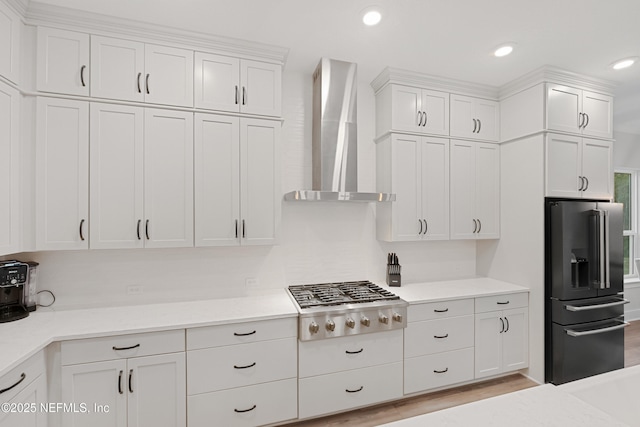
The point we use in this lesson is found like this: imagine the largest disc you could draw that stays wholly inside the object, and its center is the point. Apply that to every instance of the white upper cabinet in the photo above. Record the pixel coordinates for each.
(168, 76)
(474, 118)
(577, 111)
(237, 85)
(413, 110)
(10, 25)
(117, 69)
(475, 190)
(9, 170)
(62, 61)
(62, 174)
(417, 171)
(578, 167)
(117, 180)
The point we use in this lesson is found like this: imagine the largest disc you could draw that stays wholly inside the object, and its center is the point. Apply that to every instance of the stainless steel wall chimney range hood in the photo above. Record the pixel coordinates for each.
(335, 137)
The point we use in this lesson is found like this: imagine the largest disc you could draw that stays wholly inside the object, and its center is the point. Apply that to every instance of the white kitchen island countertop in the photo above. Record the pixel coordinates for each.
(454, 289)
(23, 338)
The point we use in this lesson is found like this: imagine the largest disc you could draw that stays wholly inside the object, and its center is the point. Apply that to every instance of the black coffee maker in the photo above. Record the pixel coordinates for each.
(13, 277)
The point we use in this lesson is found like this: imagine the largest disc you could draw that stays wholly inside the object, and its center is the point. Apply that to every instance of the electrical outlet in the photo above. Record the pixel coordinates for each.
(251, 282)
(135, 290)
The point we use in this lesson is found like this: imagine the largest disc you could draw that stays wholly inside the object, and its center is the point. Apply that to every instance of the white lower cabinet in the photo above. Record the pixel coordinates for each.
(24, 389)
(438, 370)
(502, 336)
(242, 374)
(132, 389)
(363, 369)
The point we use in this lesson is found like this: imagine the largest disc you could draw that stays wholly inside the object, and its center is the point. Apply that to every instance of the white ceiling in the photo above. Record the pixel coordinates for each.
(452, 38)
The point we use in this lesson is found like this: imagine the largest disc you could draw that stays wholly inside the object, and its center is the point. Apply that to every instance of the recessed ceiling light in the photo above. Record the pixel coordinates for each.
(624, 63)
(371, 16)
(504, 50)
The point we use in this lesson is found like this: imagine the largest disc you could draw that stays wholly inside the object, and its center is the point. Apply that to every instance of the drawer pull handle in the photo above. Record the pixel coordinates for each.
(22, 377)
(441, 311)
(441, 336)
(354, 352)
(245, 367)
(120, 383)
(125, 348)
(435, 371)
(244, 335)
(130, 377)
(507, 321)
(354, 391)
(245, 410)
(503, 303)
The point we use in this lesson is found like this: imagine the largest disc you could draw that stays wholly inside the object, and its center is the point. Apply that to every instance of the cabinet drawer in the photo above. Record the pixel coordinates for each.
(346, 390)
(240, 333)
(245, 406)
(502, 302)
(439, 310)
(221, 368)
(21, 376)
(437, 336)
(437, 370)
(344, 353)
(121, 346)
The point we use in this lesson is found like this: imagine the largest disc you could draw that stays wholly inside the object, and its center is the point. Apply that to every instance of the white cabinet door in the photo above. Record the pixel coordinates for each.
(260, 194)
(563, 107)
(463, 122)
(217, 180)
(434, 185)
(168, 171)
(563, 166)
(597, 168)
(405, 177)
(62, 174)
(157, 391)
(405, 108)
(435, 109)
(261, 91)
(463, 189)
(10, 29)
(488, 346)
(217, 82)
(169, 76)
(62, 62)
(116, 169)
(32, 396)
(598, 109)
(100, 383)
(487, 182)
(117, 69)
(487, 114)
(515, 339)
(9, 170)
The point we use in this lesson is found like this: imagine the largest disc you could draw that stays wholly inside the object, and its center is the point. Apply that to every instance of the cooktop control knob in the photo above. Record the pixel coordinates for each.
(314, 328)
(365, 321)
(331, 326)
(397, 317)
(350, 323)
(383, 319)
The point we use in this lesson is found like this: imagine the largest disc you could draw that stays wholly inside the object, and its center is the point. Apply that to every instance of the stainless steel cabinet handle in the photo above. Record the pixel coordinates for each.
(139, 88)
(244, 334)
(236, 94)
(441, 336)
(587, 183)
(81, 227)
(581, 183)
(441, 311)
(426, 226)
(580, 120)
(236, 228)
(120, 383)
(22, 377)
(419, 118)
(479, 226)
(245, 410)
(475, 226)
(146, 81)
(596, 306)
(502, 322)
(573, 333)
(130, 377)
(82, 75)
(435, 371)
(125, 348)
(425, 119)
(146, 229)
(244, 229)
(354, 391)
(354, 352)
(587, 123)
(507, 321)
(244, 95)
(138, 229)
(479, 125)
(475, 125)
(502, 303)
(420, 222)
(245, 367)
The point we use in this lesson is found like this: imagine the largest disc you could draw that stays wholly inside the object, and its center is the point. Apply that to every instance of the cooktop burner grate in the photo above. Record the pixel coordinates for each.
(331, 294)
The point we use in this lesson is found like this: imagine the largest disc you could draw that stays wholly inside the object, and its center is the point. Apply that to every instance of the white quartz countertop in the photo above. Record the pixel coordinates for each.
(454, 289)
(25, 337)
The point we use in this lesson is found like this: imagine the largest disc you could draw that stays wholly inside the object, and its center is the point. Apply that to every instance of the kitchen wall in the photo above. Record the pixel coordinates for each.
(319, 241)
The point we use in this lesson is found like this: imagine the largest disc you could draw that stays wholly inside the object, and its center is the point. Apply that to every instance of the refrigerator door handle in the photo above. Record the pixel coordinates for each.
(601, 247)
(596, 306)
(607, 278)
(573, 333)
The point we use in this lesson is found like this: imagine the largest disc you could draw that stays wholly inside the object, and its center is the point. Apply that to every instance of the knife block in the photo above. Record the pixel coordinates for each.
(393, 278)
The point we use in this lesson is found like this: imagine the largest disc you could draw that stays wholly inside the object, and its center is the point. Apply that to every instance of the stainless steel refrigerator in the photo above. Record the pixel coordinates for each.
(584, 304)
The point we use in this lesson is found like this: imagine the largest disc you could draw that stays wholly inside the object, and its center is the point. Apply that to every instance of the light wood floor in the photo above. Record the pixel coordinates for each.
(410, 407)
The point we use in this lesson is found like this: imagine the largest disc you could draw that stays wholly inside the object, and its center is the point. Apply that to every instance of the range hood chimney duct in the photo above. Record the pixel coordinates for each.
(335, 137)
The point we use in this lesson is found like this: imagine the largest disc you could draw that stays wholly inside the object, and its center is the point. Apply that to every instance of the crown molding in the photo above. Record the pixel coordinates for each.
(18, 6)
(551, 74)
(48, 15)
(426, 81)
